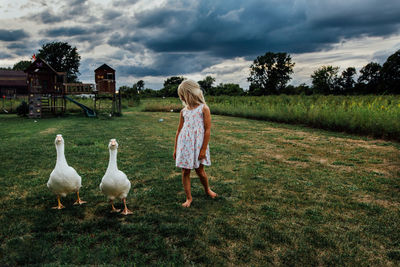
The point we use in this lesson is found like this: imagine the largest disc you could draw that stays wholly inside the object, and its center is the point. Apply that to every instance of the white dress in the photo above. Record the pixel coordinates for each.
(190, 140)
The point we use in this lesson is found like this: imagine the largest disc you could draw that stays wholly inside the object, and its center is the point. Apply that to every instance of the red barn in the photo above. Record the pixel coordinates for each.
(12, 83)
(105, 79)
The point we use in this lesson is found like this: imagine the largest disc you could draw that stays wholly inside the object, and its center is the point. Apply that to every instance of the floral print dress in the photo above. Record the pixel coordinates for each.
(190, 140)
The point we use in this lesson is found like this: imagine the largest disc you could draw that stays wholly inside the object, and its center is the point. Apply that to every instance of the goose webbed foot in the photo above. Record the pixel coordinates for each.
(79, 201)
(113, 210)
(59, 206)
(126, 211)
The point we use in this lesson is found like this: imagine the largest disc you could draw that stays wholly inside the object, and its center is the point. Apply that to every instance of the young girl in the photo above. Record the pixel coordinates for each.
(191, 141)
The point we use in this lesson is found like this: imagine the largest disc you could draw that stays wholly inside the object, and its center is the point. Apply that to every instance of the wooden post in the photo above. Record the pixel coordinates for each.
(113, 104)
(119, 103)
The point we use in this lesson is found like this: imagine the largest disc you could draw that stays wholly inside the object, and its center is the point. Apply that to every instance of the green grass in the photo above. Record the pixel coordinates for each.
(377, 116)
(289, 195)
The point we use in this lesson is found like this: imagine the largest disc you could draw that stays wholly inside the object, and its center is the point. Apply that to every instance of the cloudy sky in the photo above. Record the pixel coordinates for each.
(155, 39)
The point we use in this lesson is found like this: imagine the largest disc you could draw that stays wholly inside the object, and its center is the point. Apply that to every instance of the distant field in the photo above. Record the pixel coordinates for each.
(288, 195)
(377, 116)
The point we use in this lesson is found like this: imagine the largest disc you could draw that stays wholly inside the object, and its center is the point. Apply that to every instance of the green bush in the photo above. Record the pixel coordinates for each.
(22, 109)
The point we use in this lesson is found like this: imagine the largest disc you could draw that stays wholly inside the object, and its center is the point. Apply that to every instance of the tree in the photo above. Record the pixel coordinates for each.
(171, 86)
(150, 93)
(231, 89)
(324, 79)
(370, 78)
(391, 73)
(22, 65)
(140, 85)
(270, 73)
(302, 89)
(346, 80)
(62, 57)
(130, 93)
(207, 83)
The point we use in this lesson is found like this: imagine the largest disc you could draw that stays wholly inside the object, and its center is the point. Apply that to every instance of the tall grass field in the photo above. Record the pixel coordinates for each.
(377, 116)
(288, 195)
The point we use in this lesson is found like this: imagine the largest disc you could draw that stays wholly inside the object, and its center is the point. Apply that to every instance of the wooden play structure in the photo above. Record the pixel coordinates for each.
(105, 89)
(49, 92)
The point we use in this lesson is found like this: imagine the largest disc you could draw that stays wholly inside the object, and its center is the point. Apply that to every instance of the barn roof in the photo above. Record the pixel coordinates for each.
(105, 67)
(12, 78)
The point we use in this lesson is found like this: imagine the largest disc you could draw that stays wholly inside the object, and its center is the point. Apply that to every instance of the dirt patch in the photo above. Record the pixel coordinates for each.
(319, 160)
(371, 145)
(380, 202)
(173, 175)
(50, 130)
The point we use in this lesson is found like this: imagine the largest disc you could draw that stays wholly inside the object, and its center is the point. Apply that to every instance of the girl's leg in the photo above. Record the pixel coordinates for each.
(186, 187)
(204, 180)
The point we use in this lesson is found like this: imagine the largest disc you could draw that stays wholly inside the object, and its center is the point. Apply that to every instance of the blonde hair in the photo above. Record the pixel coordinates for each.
(190, 93)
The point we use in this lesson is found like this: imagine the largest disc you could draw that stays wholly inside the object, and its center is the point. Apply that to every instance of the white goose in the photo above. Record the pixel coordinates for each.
(115, 184)
(63, 179)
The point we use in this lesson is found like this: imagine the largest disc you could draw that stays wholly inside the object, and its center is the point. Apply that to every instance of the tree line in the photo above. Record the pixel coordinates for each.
(271, 72)
(170, 88)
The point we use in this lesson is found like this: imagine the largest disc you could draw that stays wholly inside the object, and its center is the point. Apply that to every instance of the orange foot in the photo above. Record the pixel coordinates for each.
(59, 207)
(126, 212)
(79, 202)
(113, 209)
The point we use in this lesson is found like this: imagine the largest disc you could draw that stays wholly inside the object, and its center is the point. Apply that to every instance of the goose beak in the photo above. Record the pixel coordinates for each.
(58, 138)
(113, 143)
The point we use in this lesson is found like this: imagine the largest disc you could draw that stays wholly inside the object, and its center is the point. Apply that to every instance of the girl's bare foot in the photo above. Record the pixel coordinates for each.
(211, 193)
(187, 203)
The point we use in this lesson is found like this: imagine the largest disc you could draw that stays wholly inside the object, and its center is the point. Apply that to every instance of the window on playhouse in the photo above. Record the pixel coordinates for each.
(109, 76)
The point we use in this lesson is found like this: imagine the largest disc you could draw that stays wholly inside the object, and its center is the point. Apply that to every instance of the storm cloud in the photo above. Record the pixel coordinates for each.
(247, 28)
(12, 35)
(174, 37)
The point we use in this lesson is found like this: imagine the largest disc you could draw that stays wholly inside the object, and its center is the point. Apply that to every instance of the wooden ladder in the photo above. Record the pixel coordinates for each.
(45, 103)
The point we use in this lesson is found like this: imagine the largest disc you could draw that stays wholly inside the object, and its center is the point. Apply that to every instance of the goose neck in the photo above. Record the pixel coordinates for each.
(112, 164)
(61, 161)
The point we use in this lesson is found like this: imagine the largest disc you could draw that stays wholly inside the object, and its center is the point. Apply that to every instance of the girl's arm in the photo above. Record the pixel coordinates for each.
(181, 120)
(207, 131)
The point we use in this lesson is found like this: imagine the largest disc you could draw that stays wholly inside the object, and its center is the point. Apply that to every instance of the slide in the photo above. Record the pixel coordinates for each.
(89, 112)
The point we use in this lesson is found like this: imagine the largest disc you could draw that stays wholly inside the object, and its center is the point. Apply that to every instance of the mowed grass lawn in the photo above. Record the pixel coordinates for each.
(287, 195)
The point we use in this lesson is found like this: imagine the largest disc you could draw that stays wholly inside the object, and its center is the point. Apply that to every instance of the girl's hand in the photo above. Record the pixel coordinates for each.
(202, 154)
(174, 155)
